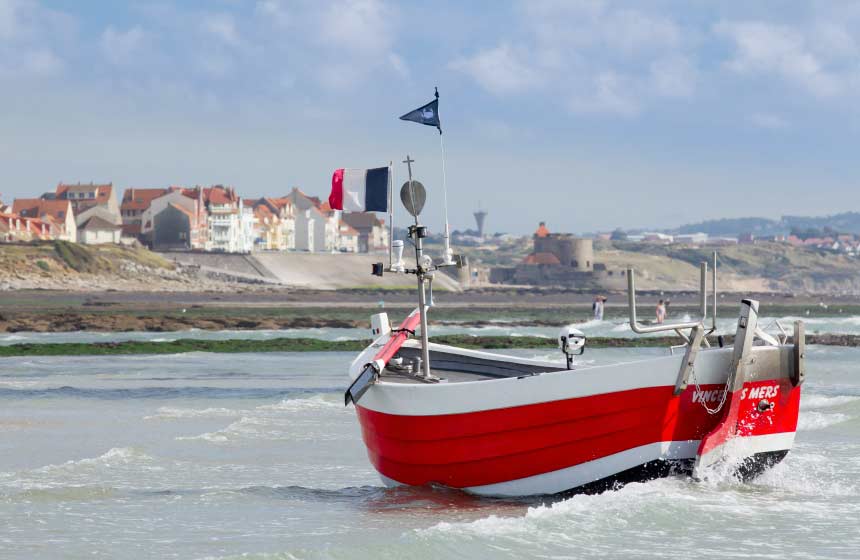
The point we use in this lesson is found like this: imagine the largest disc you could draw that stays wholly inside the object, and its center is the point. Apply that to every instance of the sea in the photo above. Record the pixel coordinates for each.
(254, 456)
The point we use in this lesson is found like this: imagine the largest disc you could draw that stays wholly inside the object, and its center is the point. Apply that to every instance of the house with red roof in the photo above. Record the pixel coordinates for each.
(86, 195)
(134, 203)
(231, 224)
(194, 234)
(372, 232)
(59, 213)
(275, 224)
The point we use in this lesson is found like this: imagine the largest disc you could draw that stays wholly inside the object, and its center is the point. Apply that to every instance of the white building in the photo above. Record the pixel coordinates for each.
(316, 223)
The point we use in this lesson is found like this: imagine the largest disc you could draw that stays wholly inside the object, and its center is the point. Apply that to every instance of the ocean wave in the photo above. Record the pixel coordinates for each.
(163, 392)
(115, 457)
(813, 401)
(314, 402)
(168, 413)
(812, 420)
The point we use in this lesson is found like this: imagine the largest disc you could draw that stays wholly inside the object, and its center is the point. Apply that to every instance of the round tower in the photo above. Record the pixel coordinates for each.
(583, 255)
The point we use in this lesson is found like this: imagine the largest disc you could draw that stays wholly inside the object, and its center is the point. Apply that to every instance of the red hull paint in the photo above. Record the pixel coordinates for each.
(500, 445)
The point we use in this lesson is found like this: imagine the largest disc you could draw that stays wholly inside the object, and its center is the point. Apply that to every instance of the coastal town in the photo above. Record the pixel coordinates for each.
(211, 219)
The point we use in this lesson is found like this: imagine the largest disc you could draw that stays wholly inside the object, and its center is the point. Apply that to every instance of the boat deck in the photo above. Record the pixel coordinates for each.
(455, 367)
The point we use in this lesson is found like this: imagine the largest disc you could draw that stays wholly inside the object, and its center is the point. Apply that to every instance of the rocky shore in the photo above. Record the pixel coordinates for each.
(68, 322)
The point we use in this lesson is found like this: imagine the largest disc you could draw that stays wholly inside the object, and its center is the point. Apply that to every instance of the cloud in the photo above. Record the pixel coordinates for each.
(501, 70)
(274, 11)
(771, 49)
(769, 121)
(605, 60)
(673, 76)
(29, 35)
(608, 93)
(221, 26)
(120, 46)
(357, 26)
(398, 64)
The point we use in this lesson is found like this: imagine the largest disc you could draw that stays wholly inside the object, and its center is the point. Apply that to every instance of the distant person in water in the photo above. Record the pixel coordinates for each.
(597, 307)
(660, 312)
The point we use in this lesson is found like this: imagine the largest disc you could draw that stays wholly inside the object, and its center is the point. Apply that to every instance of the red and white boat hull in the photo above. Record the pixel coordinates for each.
(565, 430)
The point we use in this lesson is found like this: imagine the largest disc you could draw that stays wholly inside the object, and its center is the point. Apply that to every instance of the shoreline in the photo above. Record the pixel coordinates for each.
(186, 345)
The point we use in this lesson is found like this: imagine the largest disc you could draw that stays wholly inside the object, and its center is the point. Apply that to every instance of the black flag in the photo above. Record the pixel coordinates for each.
(428, 114)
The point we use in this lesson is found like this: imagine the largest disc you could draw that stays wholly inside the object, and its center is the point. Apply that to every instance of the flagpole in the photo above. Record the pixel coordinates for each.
(390, 216)
(448, 256)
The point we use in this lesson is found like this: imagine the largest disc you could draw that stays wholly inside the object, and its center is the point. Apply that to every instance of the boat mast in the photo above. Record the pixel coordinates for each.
(417, 232)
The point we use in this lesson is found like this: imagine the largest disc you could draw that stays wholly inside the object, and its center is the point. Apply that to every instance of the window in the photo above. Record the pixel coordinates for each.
(92, 194)
(60, 214)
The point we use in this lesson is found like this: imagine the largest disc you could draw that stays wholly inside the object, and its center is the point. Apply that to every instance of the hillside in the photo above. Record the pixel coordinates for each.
(774, 267)
(760, 267)
(846, 222)
(60, 265)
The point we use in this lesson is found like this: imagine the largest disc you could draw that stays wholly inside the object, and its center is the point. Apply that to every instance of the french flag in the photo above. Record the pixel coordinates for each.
(359, 190)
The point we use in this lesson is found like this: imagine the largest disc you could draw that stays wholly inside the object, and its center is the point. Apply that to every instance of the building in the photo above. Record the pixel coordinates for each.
(14, 228)
(86, 195)
(558, 259)
(226, 220)
(97, 224)
(57, 212)
(189, 199)
(316, 223)
(691, 238)
(570, 251)
(480, 218)
(93, 228)
(275, 226)
(173, 228)
(348, 238)
(134, 203)
(372, 233)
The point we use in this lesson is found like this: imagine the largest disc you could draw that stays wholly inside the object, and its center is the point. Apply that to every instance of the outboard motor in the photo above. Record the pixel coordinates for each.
(572, 343)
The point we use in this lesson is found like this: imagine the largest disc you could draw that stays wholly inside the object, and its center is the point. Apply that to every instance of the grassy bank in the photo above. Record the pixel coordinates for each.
(316, 345)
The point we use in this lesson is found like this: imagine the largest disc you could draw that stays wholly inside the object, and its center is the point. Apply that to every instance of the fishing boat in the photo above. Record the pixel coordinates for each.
(498, 425)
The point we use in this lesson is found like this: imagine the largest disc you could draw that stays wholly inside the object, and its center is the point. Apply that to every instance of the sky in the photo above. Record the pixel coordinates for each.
(586, 114)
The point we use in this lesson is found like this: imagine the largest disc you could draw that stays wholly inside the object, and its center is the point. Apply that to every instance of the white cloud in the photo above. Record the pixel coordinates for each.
(769, 121)
(41, 62)
(501, 70)
(120, 46)
(398, 64)
(222, 26)
(608, 93)
(673, 76)
(359, 26)
(607, 60)
(832, 40)
(274, 11)
(766, 48)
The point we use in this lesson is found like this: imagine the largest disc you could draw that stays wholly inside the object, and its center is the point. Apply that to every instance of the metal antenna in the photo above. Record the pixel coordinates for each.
(418, 233)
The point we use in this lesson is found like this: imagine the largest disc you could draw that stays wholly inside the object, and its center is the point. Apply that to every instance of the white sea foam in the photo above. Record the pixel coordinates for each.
(812, 420)
(113, 458)
(167, 413)
(813, 401)
(314, 402)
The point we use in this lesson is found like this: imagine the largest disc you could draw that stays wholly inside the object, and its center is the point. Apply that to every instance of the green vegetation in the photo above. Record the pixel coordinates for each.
(43, 265)
(77, 257)
(316, 345)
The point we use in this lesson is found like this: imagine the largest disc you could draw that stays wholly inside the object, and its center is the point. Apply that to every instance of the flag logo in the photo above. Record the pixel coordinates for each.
(427, 114)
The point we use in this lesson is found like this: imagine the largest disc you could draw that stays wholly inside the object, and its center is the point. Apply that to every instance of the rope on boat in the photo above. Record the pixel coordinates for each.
(719, 407)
